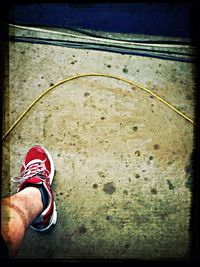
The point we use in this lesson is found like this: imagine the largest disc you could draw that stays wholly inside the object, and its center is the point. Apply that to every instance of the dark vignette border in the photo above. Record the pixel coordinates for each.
(195, 223)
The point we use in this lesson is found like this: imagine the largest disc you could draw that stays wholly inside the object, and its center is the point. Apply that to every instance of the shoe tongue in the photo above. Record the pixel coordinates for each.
(44, 195)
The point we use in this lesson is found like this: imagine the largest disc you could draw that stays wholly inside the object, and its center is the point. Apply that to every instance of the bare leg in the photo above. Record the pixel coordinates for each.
(17, 213)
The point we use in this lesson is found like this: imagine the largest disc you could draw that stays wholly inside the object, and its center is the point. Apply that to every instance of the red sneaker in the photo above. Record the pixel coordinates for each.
(38, 170)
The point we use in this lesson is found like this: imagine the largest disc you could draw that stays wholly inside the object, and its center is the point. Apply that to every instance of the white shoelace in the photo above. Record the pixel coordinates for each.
(35, 169)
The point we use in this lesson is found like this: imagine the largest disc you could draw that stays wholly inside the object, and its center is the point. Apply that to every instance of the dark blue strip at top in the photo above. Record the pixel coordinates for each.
(162, 19)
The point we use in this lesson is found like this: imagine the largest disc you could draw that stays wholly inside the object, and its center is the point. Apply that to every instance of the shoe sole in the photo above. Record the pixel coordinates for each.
(51, 224)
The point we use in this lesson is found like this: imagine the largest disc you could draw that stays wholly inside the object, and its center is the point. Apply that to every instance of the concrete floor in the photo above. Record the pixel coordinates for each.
(122, 183)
